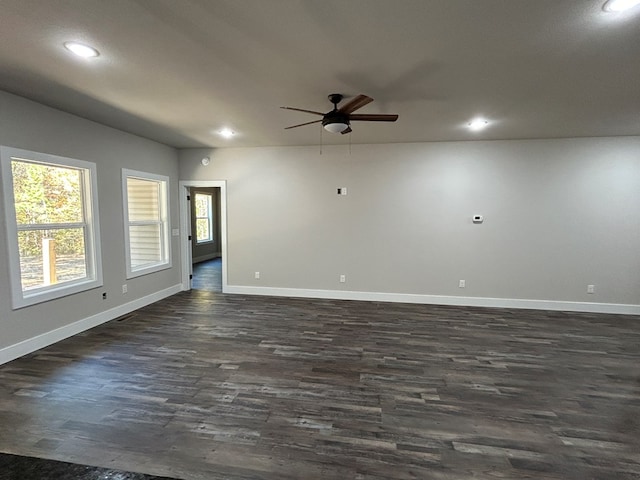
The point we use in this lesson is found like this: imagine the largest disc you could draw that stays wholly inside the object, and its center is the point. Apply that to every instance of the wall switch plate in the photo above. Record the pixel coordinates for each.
(591, 289)
(478, 219)
(462, 284)
(342, 191)
(256, 275)
(343, 278)
(125, 289)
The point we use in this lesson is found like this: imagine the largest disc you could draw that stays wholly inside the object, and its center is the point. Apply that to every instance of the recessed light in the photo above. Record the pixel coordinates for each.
(619, 5)
(226, 133)
(84, 51)
(478, 124)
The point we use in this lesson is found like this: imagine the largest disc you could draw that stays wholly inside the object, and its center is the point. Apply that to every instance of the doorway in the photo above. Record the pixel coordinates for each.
(215, 267)
(206, 256)
(207, 275)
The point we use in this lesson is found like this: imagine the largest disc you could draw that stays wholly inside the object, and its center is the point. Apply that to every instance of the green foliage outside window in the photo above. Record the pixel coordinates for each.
(203, 203)
(202, 230)
(48, 195)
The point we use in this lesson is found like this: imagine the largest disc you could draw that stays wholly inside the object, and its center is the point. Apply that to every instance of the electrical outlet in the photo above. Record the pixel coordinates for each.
(591, 289)
(343, 278)
(462, 284)
(125, 289)
(256, 275)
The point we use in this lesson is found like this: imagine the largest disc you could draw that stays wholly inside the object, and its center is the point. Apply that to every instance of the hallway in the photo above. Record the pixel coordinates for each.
(207, 276)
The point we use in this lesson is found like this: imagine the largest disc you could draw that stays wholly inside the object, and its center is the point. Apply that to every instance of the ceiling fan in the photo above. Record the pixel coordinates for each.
(339, 120)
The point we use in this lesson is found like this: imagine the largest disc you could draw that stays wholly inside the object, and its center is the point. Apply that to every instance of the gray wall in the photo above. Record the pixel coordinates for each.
(559, 215)
(29, 125)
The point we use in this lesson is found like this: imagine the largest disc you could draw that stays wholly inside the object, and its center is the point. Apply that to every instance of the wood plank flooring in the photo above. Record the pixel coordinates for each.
(207, 275)
(211, 386)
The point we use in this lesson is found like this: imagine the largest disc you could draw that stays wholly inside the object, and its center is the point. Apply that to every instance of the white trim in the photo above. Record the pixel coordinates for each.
(93, 253)
(208, 218)
(615, 308)
(163, 182)
(185, 227)
(32, 344)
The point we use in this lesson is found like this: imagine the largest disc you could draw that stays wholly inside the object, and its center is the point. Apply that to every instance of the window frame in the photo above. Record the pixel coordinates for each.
(90, 223)
(209, 217)
(164, 222)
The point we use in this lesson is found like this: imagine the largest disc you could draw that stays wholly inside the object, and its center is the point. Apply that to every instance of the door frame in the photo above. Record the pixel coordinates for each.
(186, 253)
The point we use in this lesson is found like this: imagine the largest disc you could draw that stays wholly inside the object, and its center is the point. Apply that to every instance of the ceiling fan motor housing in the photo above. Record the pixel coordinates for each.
(335, 117)
(335, 98)
(338, 120)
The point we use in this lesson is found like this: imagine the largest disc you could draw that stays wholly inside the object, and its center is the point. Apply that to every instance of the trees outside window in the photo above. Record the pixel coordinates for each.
(204, 217)
(52, 225)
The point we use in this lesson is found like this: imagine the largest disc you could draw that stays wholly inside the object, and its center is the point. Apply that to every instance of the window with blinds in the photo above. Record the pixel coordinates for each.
(147, 230)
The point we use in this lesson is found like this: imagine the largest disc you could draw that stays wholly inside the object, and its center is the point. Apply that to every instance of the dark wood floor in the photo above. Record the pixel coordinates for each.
(208, 275)
(210, 386)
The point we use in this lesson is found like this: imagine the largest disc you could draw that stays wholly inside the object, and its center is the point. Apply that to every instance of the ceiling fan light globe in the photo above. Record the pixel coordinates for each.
(81, 50)
(337, 127)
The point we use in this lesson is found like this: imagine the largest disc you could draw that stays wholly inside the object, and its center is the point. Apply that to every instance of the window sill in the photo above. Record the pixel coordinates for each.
(22, 300)
(147, 270)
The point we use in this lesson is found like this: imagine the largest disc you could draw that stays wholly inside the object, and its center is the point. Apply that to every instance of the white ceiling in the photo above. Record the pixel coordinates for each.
(178, 70)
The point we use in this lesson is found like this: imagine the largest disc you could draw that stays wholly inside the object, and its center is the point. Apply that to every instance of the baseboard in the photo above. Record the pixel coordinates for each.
(204, 258)
(32, 344)
(615, 308)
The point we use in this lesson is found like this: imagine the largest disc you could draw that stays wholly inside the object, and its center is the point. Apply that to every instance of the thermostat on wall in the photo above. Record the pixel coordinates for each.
(478, 219)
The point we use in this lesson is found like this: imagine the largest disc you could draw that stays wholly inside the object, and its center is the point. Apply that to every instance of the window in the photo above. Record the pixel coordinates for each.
(204, 217)
(147, 228)
(52, 225)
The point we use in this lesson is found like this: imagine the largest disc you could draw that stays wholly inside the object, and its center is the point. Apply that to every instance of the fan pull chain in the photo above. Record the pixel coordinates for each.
(321, 128)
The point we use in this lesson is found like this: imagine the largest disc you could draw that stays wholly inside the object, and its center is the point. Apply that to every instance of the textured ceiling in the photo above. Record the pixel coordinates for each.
(178, 70)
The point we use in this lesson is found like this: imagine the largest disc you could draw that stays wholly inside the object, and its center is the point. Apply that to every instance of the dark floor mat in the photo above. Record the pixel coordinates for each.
(17, 467)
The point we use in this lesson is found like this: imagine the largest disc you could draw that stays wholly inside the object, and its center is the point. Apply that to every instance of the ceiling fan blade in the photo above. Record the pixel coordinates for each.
(346, 130)
(303, 110)
(374, 117)
(355, 103)
(302, 124)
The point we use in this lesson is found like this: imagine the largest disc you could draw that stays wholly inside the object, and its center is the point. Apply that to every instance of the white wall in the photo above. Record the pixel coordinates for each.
(29, 125)
(559, 215)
